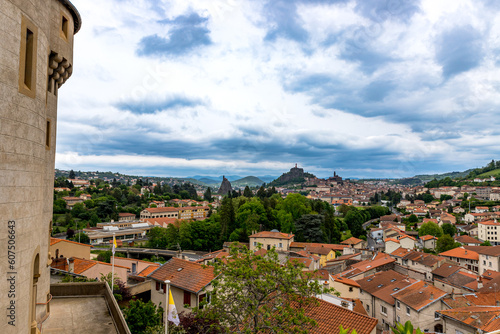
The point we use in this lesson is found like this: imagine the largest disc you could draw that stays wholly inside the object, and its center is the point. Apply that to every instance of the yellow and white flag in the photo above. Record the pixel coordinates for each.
(114, 245)
(172, 311)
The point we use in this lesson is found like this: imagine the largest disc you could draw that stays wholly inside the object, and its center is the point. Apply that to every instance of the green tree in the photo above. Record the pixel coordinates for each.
(413, 218)
(343, 330)
(486, 243)
(430, 228)
(81, 237)
(407, 328)
(207, 196)
(354, 220)
(449, 229)
(428, 198)
(227, 218)
(308, 228)
(247, 192)
(445, 243)
(295, 204)
(141, 317)
(255, 294)
(71, 174)
(331, 229)
(261, 193)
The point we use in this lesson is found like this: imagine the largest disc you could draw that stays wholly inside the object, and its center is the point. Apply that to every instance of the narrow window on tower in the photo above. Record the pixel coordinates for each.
(64, 26)
(27, 59)
(28, 64)
(47, 136)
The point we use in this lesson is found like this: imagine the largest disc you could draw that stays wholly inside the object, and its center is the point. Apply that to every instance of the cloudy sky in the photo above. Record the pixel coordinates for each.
(379, 88)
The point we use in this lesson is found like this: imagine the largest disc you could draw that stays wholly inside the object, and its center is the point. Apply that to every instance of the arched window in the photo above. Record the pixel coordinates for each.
(36, 275)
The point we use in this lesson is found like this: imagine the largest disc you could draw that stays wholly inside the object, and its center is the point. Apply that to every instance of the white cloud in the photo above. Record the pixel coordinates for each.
(243, 83)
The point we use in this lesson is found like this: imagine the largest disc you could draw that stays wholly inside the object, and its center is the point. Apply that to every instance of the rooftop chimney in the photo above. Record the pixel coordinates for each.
(432, 296)
(71, 265)
(479, 283)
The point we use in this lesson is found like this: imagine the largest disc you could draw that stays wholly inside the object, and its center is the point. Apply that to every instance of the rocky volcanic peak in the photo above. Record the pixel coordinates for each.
(225, 187)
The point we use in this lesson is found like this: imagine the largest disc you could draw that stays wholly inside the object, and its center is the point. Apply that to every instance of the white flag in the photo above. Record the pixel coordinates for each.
(172, 311)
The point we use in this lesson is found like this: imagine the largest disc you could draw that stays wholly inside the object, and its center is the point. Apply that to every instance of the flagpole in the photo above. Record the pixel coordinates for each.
(167, 283)
(113, 264)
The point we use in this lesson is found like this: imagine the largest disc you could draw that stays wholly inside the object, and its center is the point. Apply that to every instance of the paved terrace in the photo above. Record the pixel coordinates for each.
(82, 308)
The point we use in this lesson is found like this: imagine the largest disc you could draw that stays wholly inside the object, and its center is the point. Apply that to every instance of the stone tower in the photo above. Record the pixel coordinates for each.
(36, 58)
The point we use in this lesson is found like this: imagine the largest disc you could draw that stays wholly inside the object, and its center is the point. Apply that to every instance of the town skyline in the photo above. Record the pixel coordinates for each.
(375, 89)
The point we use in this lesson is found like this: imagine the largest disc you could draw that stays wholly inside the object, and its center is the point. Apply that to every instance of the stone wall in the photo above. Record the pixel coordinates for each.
(30, 35)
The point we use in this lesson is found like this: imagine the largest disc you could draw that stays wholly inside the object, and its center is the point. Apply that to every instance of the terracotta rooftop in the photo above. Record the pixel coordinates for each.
(351, 241)
(489, 222)
(419, 295)
(320, 274)
(445, 270)
(374, 282)
(471, 299)
(148, 270)
(462, 253)
(428, 237)
(391, 239)
(184, 275)
(486, 318)
(319, 250)
(329, 318)
(485, 250)
(54, 241)
(272, 235)
(303, 245)
(304, 260)
(465, 239)
(160, 210)
(347, 281)
(490, 274)
(380, 260)
(126, 214)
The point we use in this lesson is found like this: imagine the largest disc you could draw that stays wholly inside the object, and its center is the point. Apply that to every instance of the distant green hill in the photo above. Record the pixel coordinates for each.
(452, 175)
(250, 181)
(494, 172)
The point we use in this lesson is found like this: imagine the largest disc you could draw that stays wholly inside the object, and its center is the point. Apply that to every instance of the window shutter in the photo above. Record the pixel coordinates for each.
(187, 298)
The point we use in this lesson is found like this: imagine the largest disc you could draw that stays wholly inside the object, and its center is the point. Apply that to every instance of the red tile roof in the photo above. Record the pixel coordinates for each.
(319, 250)
(126, 214)
(304, 245)
(471, 299)
(184, 275)
(380, 260)
(329, 318)
(345, 280)
(419, 295)
(272, 235)
(445, 270)
(54, 241)
(428, 237)
(391, 239)
(486, 318)
(148, 270)
(160, 210)
(465, 239)
(490, 274)
(296, 260)
(485, 250)
(351, 241)
(461, 253)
